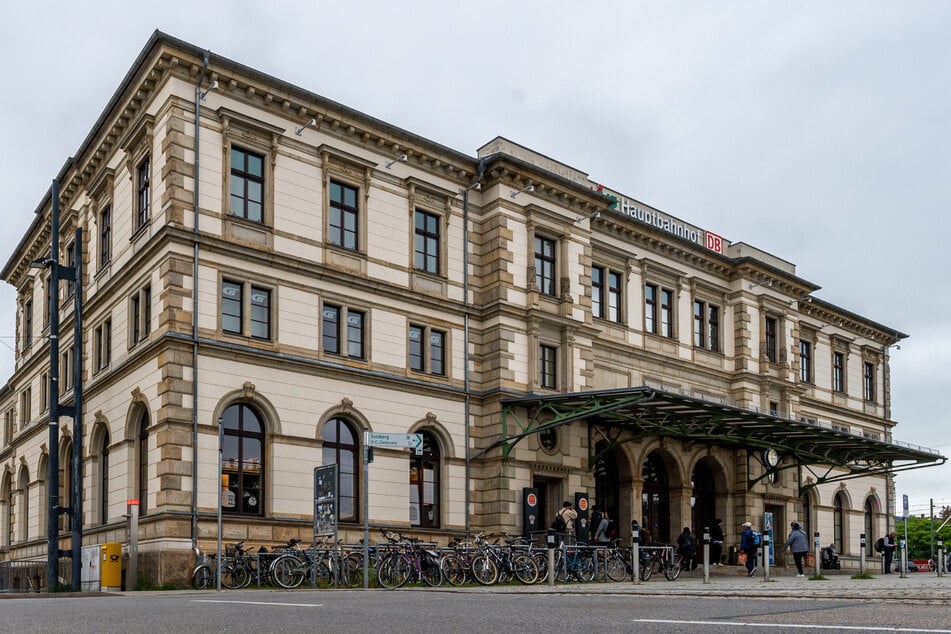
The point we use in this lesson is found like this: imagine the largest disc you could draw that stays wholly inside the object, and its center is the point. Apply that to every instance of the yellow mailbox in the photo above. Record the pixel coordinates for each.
(111, 568)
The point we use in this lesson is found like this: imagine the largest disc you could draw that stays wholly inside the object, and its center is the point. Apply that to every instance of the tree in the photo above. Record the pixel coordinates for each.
(919, 536)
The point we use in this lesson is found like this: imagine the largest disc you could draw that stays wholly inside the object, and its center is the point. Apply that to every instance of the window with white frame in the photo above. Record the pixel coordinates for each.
(245, 309)
(102, 354)
(606, 293)
(838, 371)
(343, 331)
(548, 366)
(868, 380)
(427, 349)
(545, 265)
(805, 361)
(706, 325)
(140, 315)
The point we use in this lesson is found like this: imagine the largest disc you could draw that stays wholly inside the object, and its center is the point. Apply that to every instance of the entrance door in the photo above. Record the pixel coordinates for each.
(655, 500)
(703, 499)
(607, 482)
(549, 499)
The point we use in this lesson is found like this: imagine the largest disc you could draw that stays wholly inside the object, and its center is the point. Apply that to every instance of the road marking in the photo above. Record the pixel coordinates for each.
(864, 628)
(295, 605)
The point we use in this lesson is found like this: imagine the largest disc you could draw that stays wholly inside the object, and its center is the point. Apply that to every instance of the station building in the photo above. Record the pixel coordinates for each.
(271, 268)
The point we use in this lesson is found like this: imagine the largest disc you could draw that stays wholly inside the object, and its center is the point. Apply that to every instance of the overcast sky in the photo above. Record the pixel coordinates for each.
(816, 131)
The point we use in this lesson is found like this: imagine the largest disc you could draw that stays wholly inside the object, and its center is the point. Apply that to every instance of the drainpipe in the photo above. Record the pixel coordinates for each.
(198, 96)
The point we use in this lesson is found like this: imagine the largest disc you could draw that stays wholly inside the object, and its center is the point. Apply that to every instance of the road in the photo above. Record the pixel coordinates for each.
(469, 610)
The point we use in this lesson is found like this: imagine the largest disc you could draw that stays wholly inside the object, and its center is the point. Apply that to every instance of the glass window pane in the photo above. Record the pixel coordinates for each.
(255, 165)
(237, 159)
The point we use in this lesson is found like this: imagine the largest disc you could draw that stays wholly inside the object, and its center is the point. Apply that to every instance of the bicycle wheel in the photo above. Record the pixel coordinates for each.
(287, 571)
(234, 576)
(584, 569)
(524, 568)
(203, 577)
(353, 570)
(453, 570)
(673, 568)
(541, 562)
(614, 567)
(484, 570)
(647, 569)
(393, 571)
(429, 570)
(323, 573)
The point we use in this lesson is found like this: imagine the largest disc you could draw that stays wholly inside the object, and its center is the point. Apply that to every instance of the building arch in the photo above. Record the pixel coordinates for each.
(136, 433)
(438, 430)
(99, 451)
(6, 509)
(710, 491)
(340, 444)
(248, 395)
(23, 503)
(344, 409)
(841, 506)
(244, 464)
(42, 493)
(425, 483)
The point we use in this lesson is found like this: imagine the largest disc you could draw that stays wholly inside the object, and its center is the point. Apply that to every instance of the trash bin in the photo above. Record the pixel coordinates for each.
(111, 568)
(732, 558)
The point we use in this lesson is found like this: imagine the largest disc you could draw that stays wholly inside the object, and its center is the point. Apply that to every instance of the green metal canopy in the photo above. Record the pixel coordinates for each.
(630, 414)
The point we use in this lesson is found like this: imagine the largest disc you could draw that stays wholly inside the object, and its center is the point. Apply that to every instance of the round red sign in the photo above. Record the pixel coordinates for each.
(583, 504)
(532, 499)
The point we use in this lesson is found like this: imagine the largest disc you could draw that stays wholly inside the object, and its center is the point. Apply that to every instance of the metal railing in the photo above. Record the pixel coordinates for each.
(29, 575)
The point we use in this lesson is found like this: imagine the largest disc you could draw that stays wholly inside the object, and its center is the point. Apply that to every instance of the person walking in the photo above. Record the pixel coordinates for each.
(601, 530)
(798, 545)
(716, 541)
(749, 547)
(888, 550)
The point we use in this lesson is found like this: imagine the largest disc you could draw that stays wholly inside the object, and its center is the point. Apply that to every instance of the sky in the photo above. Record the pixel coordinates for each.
(817, 131)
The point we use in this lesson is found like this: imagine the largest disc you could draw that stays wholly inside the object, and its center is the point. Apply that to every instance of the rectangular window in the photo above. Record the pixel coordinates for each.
(614, 296)
(650, 308)
(548, 366)
(105, 237)
(28, 323)
(773, 408)
(597, 291)
(332, 320)
(44, 392)
(103, 351)
(143, 191)
(46, 301)
(70, 262)
(26, 407)
(66, 371)
(231, 304)
(805, 361)
(666, 312)
(140, 315)
(772, 349)
(8, 426)
(245, 309)
(344, 216)
(868, 376)
(355, 334)
(706, 325)
(331, 328)
(838, 372)
(247, 185)
(426, 249)
(260, 313)
(427, 349)
(545, 265)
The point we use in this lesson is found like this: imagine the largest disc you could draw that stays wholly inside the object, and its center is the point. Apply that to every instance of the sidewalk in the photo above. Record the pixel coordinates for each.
(917, 588)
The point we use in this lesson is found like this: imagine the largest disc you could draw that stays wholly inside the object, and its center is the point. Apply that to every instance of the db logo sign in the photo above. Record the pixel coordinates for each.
(532, 499)
(714, 242)
(583, 504)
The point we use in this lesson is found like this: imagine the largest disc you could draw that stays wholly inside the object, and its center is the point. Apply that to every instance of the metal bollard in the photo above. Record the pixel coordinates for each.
(816, 553)
(862, 553)
(765, 556)
(940, 561)
(550, 540)
(636, 555)
(903, 558)
(706, 554)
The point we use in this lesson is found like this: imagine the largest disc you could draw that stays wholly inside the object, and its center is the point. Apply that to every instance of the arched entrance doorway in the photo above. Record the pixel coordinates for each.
(703, 498)
(607, 481)
(655, 499)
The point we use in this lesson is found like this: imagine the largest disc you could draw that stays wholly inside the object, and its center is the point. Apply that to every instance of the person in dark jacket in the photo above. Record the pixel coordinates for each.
(716, 542)
(798, 544)
(749, 547)
(891, 542)
(687, 548)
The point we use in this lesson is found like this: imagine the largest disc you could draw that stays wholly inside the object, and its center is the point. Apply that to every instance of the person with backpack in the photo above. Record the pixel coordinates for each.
(749, 545)
(564, 521)
(798, 544)
(687, 549)
(601, 530)
(889, 543)
(596, 516)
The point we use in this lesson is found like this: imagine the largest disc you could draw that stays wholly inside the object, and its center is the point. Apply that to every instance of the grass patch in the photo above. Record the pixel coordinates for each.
(818, 577)
(862, 575)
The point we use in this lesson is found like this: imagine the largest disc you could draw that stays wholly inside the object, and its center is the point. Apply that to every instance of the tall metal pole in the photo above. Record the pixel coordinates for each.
(76, 475)
(52, 479)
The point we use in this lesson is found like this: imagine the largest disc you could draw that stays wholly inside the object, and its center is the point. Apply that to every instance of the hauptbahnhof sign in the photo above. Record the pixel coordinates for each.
(668, 224)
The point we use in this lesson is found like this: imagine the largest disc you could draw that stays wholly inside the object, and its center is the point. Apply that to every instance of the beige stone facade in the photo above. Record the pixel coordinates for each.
(310, 321)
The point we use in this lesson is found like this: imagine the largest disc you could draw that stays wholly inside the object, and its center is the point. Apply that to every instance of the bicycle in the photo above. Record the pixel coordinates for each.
(615, 563)
(494, 564)
(660, 558)
(574, 561)
(204, 575)
(406, 559)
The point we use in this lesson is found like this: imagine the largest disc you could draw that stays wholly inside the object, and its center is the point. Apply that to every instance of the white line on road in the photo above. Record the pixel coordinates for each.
(864, 628)
(296, 605)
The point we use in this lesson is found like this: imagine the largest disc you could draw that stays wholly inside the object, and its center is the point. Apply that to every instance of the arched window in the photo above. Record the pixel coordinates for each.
(342, 448)
(242, 461)
(104, 478)
(838, 523)
(65, 483)
(142, 462)
(869, 526)
(6, 493)
(655, 500)
(424, 484)
(23, 505)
